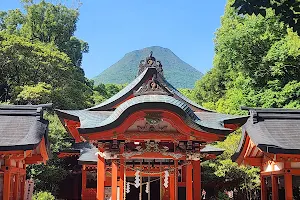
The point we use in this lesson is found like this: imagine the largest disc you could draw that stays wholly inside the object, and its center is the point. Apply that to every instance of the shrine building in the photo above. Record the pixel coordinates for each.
(271, 141)
(144, 138)
(23, 141)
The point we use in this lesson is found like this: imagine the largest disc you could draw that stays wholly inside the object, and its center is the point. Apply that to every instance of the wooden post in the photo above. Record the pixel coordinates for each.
(288, 181)
(274, 187)
(114, 180)
(6, 184)
(197, 179)
(149, 188)
(189, 182)
(100, 177)
(83, 182)
(288, 185)
(22, 179)
(141, 185)
(183, 173)
(122, 163)
(172, 186)
(176, 179)
(160, 183)
(16, 185)
(263, 189)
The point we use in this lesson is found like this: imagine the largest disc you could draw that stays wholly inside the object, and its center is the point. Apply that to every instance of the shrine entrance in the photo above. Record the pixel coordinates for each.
(154, 189)
(147, 138)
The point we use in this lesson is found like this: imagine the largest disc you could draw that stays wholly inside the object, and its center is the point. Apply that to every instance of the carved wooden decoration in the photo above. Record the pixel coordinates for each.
(151, 87)
(150, 62)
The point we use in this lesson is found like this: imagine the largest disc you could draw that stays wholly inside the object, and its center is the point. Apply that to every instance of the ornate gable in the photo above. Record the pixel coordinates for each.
(150, 62)
(154, 85)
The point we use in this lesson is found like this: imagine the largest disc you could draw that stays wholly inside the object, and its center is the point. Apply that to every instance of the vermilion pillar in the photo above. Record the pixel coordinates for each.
(183, 174)
(288, 185)
(100, 177)
(197, 179)
(176, 179)
(288, 181)
(83, 181)
(274, 187)
(122, 173)
(189, 182)
(114, 180)
(7, 184)
(17, 185)
(172, 186)
(263, 189)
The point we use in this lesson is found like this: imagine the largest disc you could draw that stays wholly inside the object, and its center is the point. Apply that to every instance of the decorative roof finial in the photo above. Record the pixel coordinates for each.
(150, 62)
(151, 52)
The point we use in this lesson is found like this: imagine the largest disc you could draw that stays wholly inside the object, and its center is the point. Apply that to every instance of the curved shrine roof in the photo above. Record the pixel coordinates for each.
(150, 91)
(272, 130)
(22, 127)
(96, 121)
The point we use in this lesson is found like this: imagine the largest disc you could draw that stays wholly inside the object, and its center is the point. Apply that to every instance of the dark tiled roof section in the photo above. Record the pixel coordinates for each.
(88, 156)
(159, 102)
(179, 95)
(77, 147)
(85, 117)
(212, 150)
(274, 130)
(224, 118)
(22, 127)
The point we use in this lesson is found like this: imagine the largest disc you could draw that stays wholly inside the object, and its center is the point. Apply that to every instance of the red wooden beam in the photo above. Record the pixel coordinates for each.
(34, 159)
(253, 161)
(172, 118)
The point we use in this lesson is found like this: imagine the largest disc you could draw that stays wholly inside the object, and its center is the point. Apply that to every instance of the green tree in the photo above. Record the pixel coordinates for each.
(105, 91)
(39, 94)
(47, 23)
(256, 64)
(288, 10)
(11, 21)
(25, 64)
(43, 196)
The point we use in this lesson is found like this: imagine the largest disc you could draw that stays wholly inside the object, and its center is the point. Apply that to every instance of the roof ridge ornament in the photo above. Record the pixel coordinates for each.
(150, 61)
(152, 86)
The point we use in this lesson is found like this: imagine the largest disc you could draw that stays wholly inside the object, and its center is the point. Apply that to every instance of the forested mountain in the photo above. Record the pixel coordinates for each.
(176, 71)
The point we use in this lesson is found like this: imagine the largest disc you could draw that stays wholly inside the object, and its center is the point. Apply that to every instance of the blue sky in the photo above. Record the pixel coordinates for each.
(113, 28)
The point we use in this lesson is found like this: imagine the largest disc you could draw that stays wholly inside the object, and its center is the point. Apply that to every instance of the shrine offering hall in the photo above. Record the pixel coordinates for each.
(147, 142)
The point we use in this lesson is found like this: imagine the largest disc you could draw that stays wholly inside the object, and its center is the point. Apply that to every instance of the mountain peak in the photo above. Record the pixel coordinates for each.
(176, 71)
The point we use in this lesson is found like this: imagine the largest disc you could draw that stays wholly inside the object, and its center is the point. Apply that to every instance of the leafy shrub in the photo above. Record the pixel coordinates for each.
(43, 196)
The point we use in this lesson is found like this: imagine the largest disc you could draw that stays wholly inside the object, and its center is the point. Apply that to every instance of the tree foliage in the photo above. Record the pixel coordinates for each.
(25, 65)
(288, 10)
(256, 64)
(43, 196)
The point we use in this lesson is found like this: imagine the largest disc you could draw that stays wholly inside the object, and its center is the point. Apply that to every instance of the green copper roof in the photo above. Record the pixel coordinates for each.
(149, 102)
